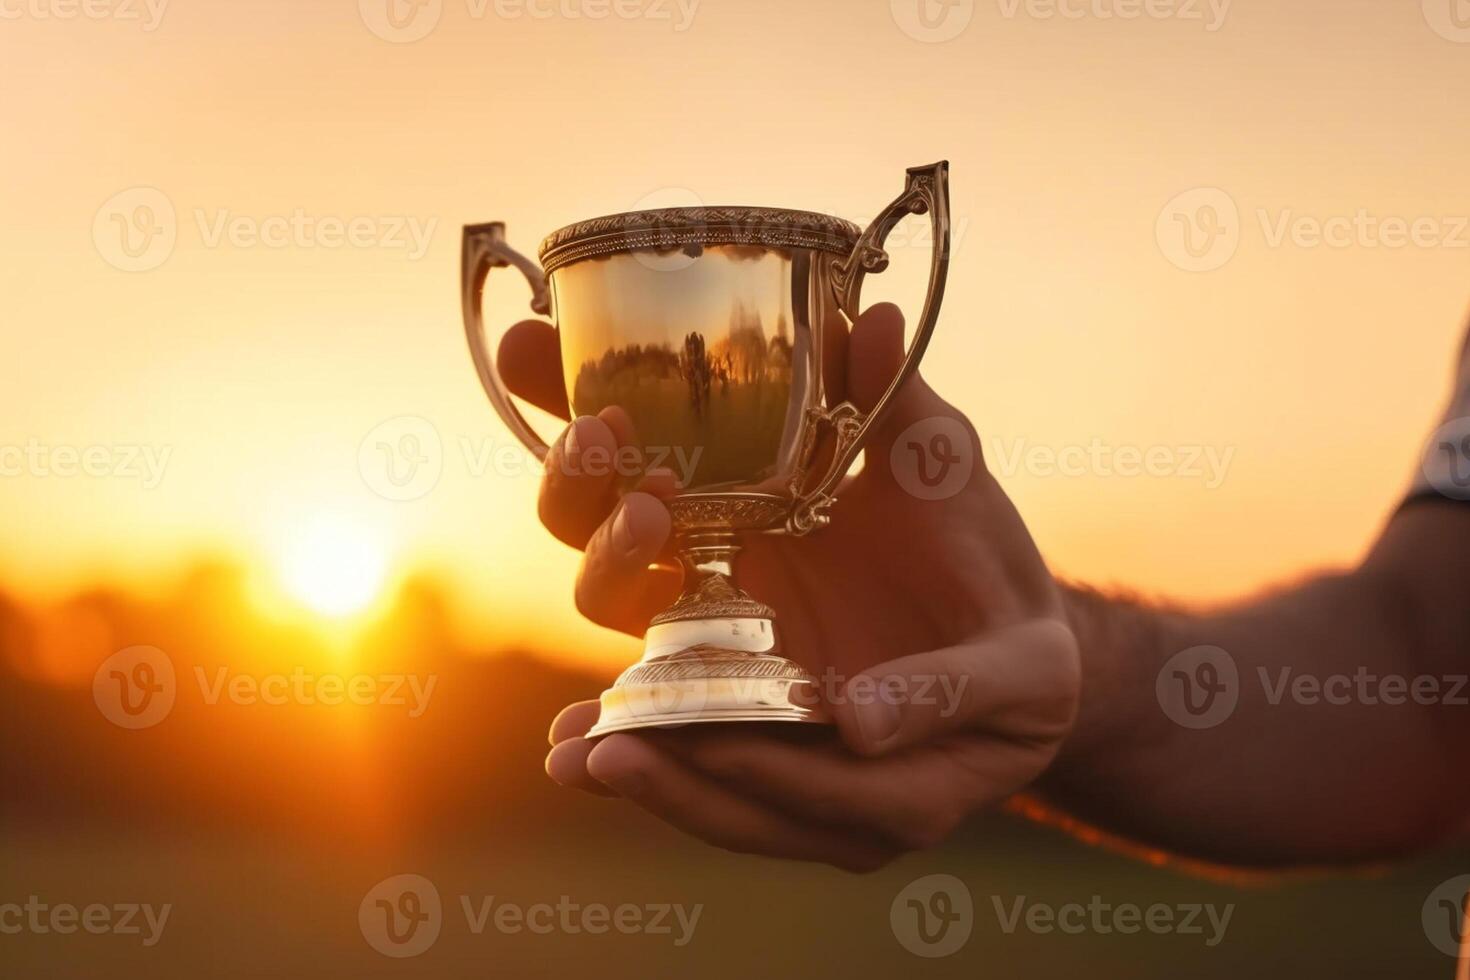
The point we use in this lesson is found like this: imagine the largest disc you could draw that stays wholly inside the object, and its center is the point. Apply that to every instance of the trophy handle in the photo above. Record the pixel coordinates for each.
(484, 248)
(926, 191)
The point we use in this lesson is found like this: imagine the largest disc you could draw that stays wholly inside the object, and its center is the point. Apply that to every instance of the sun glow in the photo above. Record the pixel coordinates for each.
(333, 566)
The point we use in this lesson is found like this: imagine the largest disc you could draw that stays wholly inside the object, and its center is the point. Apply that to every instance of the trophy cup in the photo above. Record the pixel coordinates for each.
(707, 325)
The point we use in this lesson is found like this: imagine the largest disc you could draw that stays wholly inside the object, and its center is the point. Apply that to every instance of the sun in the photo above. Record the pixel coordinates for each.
(333, 566)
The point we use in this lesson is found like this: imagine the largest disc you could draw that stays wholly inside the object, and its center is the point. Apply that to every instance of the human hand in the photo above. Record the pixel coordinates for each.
(937, 634)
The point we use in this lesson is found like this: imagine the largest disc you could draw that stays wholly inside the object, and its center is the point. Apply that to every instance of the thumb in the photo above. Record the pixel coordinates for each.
(916, 413)
(1020, 681)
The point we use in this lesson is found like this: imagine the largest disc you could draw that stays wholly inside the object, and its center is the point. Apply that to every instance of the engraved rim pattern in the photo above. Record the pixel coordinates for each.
(668, 228)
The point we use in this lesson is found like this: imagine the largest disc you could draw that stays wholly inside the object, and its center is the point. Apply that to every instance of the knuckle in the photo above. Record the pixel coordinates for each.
(721, 764)
(929, 828)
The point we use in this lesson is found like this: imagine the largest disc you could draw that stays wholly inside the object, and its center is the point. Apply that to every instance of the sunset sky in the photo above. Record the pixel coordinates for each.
(231, 381)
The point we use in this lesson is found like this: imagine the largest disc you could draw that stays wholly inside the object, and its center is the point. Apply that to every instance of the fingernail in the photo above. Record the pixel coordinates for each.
(571, 446)
(623, 537)
(877, 718)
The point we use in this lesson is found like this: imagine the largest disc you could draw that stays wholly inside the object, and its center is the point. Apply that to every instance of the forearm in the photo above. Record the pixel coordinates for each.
(1315, 762)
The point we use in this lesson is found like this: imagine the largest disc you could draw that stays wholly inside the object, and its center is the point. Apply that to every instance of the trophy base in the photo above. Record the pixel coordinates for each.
(709, 682)
(713, 655)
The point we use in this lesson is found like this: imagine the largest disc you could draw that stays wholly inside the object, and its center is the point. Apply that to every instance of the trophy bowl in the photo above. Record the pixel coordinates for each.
(707, 326)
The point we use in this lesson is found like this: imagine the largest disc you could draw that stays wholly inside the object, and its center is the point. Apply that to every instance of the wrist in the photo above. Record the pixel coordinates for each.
(1121, 643)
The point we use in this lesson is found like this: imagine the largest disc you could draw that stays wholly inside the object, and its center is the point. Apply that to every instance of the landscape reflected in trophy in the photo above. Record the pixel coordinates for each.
(706, 326)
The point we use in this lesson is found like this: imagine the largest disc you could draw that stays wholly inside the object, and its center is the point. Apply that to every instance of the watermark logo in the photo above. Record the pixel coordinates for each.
(1446, 916)
(672, 259)
(136, 230)
(934, 458)
(570, 917)
(401, 459)
(40, 461)
(933, 916)
(1210, 13)
(1364, 687)
(1199, 230)
(401, 21)
(407, 21)
(1450, 19)
(401, 916)
(1105, 918)
(932, 21)
(41, 918)
(1198, 687)
(147, 13)
(1207, 464)
(1447, 459)
(135, 688)
(301, 687)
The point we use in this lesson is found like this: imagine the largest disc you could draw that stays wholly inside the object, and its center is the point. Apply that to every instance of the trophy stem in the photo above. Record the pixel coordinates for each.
(711, 656)
(709, 552)
(710, 592)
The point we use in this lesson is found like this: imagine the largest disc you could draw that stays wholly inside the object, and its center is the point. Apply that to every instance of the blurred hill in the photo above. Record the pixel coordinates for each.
(472, 757)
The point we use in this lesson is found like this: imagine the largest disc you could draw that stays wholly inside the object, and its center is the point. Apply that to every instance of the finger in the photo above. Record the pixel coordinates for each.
(574, 720)
(914, 799)
(702, 808)
(530, 365)
(1021, 682)
(876, 354)
(566, 764)
(579, 480)
(616, 587)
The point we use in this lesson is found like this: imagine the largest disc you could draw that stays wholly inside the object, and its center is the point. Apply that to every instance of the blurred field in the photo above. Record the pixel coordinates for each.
(265, 826)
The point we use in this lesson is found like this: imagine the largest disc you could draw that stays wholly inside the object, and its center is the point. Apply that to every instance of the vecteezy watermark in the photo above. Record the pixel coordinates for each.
(1447, 459)
(687, 697)
(301, 687)
(934, 458)
(1100, 917)
(403, 458)
(1450, 19)
(932, 21)
(1201, 687)
(932, 916)
(1446, 916)
(1201, 230)
(40, 918)
(406, 21)
(41, 461)
(1206, 464)
(944, 691)
(1363, 687)
(137, 230)
(147, 14)
(403, 916)
(1211, 14)
(1198, 687)
(137, 688)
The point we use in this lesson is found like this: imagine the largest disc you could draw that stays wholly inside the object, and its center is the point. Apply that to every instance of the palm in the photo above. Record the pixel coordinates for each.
(891, 575)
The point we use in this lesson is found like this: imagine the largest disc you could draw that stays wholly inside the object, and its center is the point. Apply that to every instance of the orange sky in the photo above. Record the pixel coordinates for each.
(260, 368)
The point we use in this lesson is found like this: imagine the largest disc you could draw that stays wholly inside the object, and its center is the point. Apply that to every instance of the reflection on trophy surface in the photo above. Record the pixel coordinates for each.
(706, 326)
(704, 373)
